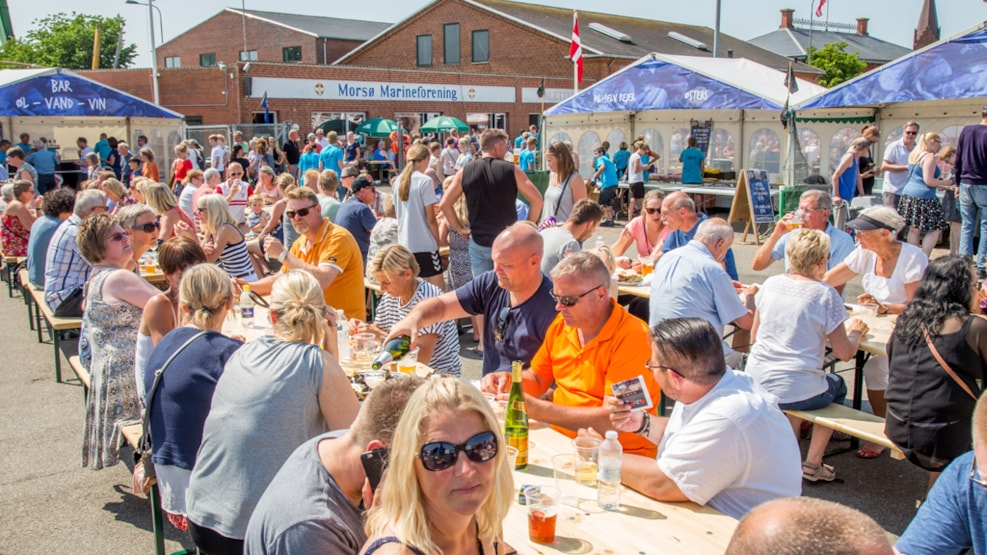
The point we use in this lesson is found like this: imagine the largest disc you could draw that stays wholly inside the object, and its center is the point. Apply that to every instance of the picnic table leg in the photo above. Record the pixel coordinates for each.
(28, 300)
(858, 388)
(56, 337)
(37, 322)
(8, 275)
(157, 520)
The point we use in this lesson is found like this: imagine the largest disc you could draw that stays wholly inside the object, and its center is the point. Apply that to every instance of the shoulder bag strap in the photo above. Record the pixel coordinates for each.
(558, 201)
(935, 353)
(145, 442)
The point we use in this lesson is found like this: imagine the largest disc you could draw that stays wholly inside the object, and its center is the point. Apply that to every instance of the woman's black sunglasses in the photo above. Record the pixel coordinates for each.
(147, 228)
(440, 455)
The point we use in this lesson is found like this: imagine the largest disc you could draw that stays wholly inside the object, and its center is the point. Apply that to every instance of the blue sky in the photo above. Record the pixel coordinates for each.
(743, 19)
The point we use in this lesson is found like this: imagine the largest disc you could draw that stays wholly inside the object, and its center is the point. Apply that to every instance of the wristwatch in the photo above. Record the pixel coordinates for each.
(282, 256)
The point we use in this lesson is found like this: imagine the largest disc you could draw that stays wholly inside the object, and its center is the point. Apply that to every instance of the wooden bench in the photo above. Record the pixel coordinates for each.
(82, 373)
(7, 271)
(26, 295)
(132, 435)
(57, 325)
(852, 422)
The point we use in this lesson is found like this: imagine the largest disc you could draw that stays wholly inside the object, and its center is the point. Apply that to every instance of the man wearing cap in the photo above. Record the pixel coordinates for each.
(355, 214)
(970, 174)
(606, 172)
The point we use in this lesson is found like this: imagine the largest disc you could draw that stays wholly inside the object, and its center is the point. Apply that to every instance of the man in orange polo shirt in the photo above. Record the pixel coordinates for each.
(325, 250)
(593, 343)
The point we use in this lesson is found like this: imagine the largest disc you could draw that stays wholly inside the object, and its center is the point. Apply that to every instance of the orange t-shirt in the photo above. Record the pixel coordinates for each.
(583, 373)
(336, 247)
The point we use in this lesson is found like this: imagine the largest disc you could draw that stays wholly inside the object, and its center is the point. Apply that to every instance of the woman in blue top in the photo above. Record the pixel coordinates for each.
(919, 205)
(181, 402)
(847, 182)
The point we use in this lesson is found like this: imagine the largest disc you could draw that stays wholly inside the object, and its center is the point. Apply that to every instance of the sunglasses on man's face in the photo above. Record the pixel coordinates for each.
(440, 455)
(301, 212)
(147, 228)
(236, 174)
(570, 302)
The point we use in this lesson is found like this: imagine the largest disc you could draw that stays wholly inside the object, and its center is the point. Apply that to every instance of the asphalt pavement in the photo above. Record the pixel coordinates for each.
(50, 504)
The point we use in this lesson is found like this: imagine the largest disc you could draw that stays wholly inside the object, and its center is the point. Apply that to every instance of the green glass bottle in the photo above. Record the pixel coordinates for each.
(395, 349)
(516, 419)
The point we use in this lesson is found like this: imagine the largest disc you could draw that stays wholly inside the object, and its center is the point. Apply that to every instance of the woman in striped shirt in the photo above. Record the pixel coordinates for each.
(396, 271)
(224, 242)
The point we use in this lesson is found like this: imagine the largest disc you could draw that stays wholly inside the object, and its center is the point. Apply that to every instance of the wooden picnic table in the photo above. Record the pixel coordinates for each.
(875, 342)
(641, 525)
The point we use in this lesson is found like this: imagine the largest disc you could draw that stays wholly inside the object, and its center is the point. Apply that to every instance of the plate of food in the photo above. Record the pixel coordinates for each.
(628, 277)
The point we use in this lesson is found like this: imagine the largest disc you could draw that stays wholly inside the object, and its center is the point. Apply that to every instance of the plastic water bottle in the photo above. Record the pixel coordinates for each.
(342, 335)
(599, 241)
(609, 463)
(246, 308)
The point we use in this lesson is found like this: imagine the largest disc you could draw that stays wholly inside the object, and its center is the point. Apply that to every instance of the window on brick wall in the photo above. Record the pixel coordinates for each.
(481, 46)
(292, 53)
(207, 60)
(424, 48)
(173, 61)
(248, 56)
(450, 43)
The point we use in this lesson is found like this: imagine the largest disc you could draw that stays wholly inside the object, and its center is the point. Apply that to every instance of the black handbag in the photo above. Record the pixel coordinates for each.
(143, 452)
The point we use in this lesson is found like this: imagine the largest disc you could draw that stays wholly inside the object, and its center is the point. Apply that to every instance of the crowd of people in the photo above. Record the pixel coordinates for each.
(307, 232)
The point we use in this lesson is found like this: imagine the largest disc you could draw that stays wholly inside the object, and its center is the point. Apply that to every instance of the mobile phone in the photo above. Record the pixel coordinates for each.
(374, 462)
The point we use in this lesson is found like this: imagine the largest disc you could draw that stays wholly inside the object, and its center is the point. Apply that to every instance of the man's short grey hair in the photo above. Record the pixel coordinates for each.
(911, 123)
(584, 266)
(88, 200)
(128, 215)
(7, 191)
(683, 202)
(820, 199)
(714, 230)
(210, 173)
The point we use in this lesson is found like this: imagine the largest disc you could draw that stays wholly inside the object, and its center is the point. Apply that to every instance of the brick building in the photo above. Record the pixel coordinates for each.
(479, 60)
(250, 35)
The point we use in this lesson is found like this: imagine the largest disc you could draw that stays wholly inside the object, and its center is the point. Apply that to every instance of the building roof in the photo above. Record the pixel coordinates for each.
(793, 43)
(319, 26)
(644, 36)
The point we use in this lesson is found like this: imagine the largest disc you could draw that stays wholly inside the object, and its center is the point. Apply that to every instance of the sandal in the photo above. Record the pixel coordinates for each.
(870, 451)
(821, 472)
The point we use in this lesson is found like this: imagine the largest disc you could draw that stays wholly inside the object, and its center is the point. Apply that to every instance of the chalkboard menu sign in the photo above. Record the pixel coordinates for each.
(752, 202)
(701, 130)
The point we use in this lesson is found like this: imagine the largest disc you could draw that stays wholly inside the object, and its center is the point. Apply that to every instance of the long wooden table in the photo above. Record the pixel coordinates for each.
(642, 525)
(875, 342)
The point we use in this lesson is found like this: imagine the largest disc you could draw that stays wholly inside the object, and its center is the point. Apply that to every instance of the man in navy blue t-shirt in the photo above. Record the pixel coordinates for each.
(514, 300)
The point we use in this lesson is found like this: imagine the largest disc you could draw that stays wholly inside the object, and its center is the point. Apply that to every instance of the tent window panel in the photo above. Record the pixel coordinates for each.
(207, 60)
(481, 46)
(677, 142)
(587, 143)
(656, 143)
(561, 137)
(839, 144)
(173, 61)
(722, 151)
(450, 43)
(949, 135)
(810, 144)
(424, 49)
(765, 152)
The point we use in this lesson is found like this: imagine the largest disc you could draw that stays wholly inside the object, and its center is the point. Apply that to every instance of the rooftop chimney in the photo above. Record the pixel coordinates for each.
(787, 16)
(862, 25)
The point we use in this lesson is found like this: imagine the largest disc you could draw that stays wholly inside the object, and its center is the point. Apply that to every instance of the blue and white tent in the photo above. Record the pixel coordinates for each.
(953, 68)
(665, 82)
(62, 105)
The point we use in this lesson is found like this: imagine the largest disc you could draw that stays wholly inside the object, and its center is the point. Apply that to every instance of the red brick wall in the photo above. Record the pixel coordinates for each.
(514, 48)
(223, 35)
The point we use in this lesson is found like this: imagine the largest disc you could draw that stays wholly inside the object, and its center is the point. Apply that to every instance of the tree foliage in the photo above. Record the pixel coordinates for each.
(838, 65)
(61, 40)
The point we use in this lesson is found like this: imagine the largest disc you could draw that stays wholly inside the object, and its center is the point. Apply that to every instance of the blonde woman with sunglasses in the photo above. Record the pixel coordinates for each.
(224, 242)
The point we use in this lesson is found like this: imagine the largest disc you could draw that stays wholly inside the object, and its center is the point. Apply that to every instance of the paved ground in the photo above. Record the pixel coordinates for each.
(49, 504)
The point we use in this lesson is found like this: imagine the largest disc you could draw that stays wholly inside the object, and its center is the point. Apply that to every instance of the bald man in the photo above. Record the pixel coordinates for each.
(514, 299)
(809, 526)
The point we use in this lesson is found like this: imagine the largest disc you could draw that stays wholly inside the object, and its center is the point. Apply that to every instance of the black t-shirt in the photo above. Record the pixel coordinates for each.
(291, 152)
(490, 190)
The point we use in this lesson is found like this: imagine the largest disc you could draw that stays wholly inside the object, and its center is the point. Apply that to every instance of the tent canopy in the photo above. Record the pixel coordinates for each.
(665, 82)
(949, 69)
(52, 92)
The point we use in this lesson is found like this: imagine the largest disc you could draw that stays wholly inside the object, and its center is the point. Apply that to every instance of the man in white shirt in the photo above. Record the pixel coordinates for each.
(449, 157)
(236, 193)
(218, 153)
(568, 238)
(726, 443)
(895, 165)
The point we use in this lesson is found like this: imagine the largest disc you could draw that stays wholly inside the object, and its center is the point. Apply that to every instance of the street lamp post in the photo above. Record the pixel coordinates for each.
(154, 53)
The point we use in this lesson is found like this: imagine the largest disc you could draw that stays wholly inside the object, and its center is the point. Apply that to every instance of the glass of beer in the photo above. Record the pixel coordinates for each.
(647, 266)
(797, 220)
(543, 510)
(587, 448)
(408, 363)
